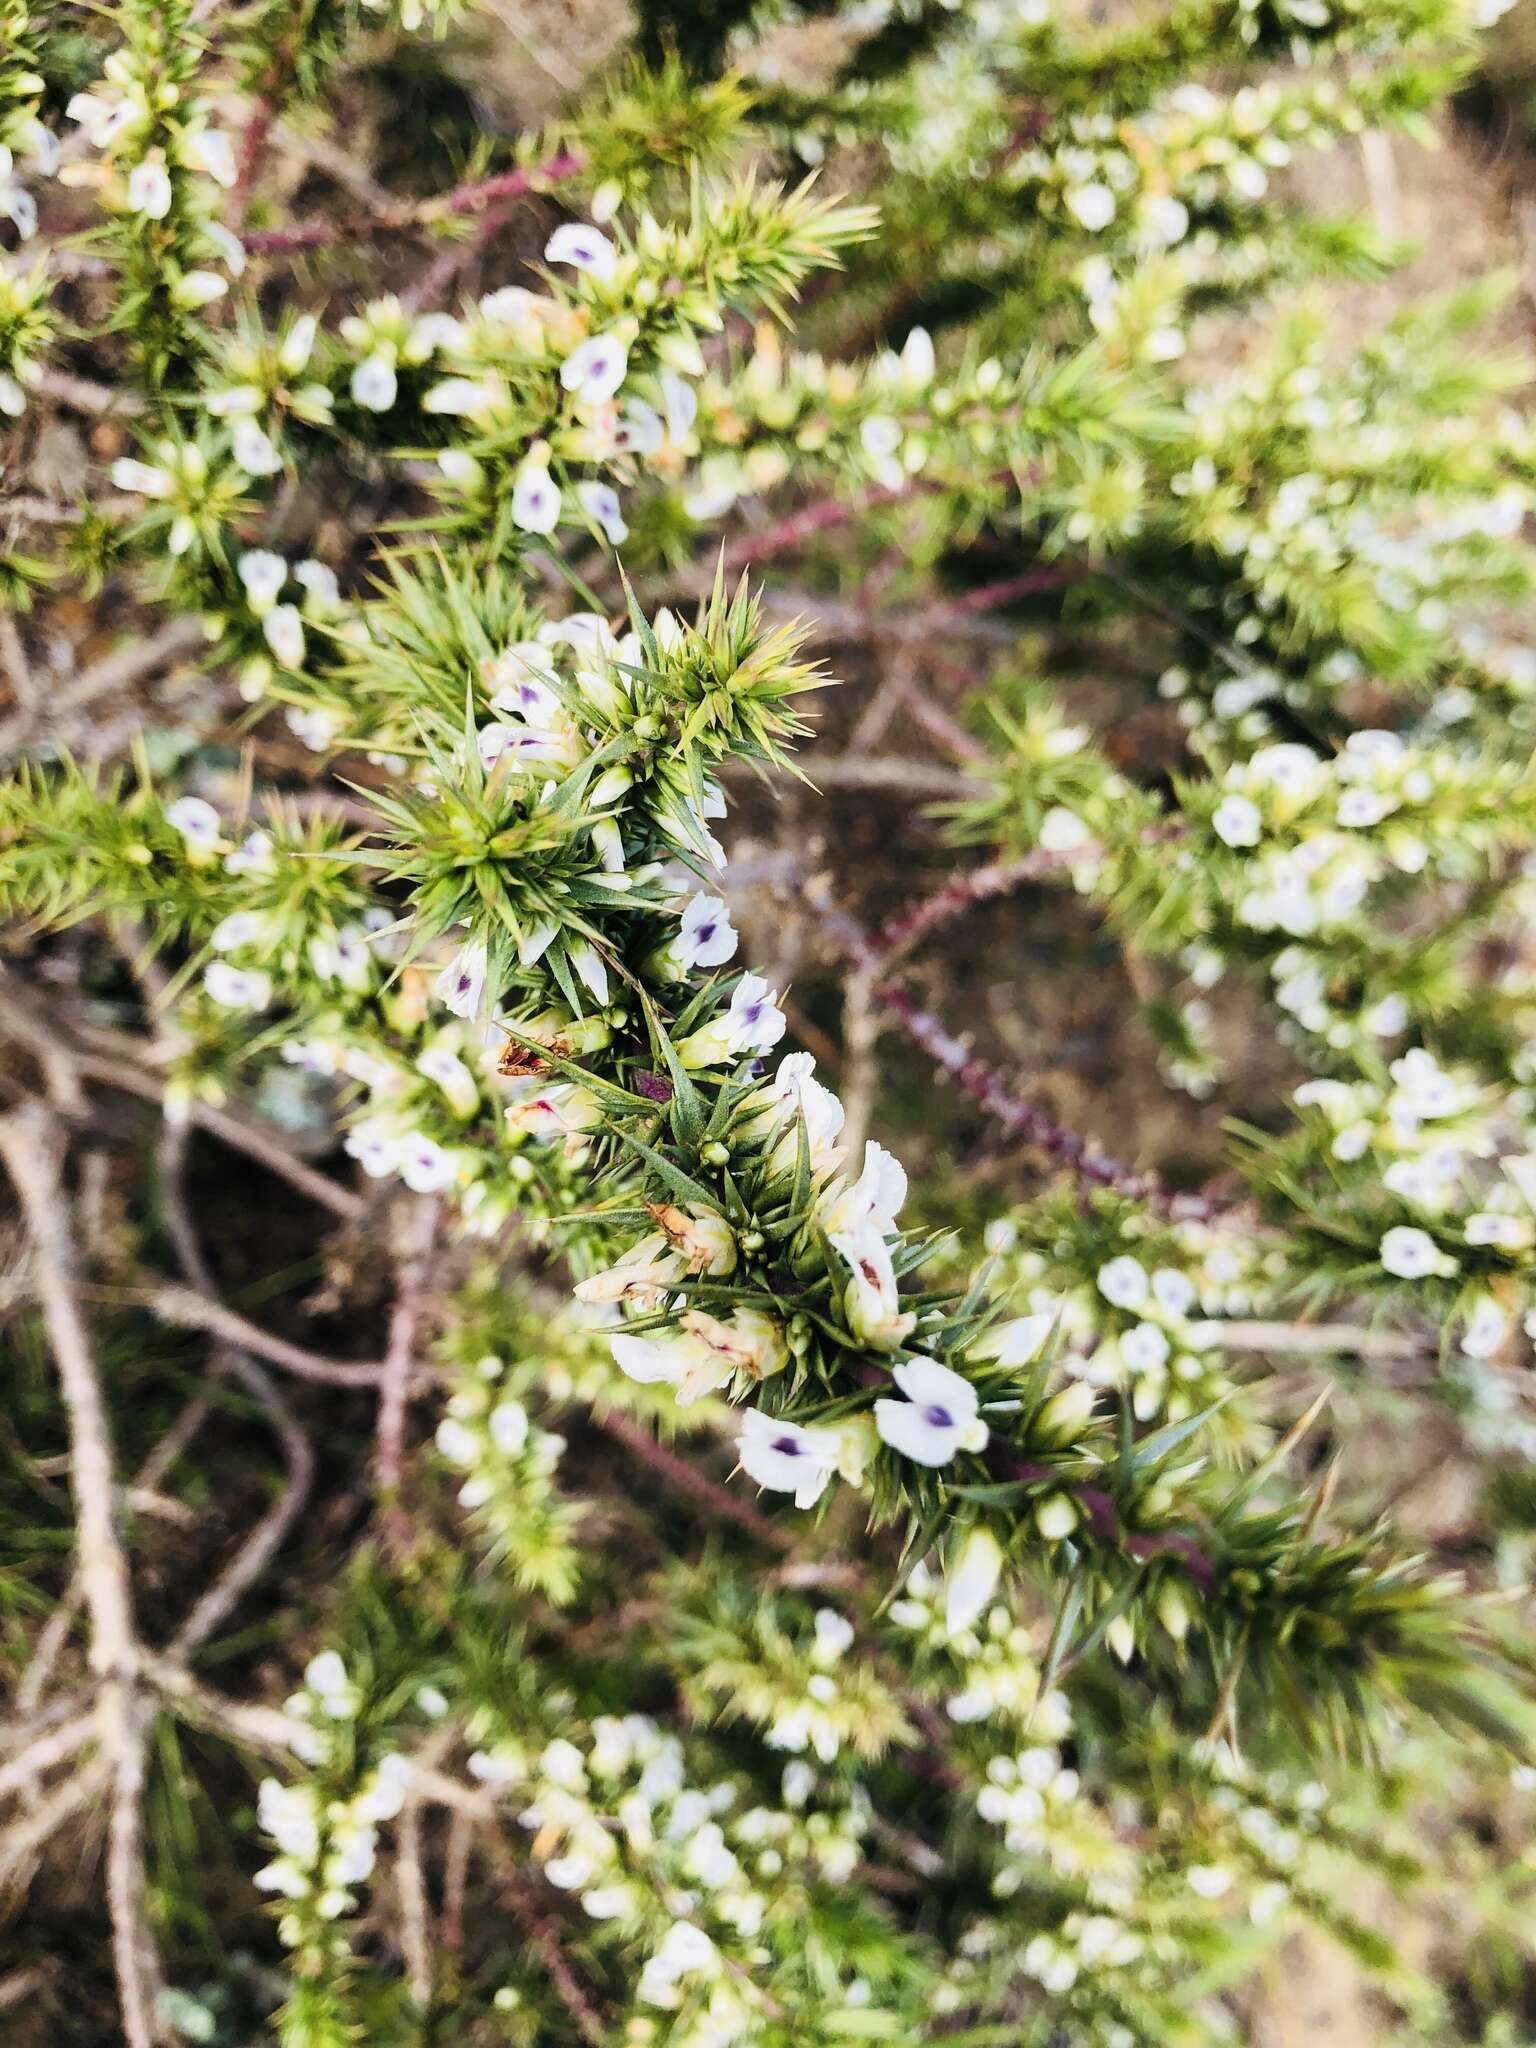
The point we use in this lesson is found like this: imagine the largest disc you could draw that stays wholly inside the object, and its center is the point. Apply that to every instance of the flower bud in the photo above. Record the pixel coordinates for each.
(1173, 1610)
(1061, 1418)
(1055, 1517)
(971, 1579)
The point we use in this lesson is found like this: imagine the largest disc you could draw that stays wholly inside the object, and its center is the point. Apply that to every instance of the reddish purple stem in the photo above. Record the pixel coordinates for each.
(323, 234)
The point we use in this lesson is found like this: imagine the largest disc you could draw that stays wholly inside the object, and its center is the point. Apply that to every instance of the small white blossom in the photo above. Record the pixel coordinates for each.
(1412, 1254)
(601, 504)
(254, 450)
(786, 1458)
(461, 985)
(1123, 1282)
(1237, 821)
(149, 188)
(196, 820)
(1093, 206)
(237, 988)
(373, 383)
(283, 631)
(263, 575)
(706, 937)
(938, 1417)
(535, 499)
(584, 248)
(595, 369)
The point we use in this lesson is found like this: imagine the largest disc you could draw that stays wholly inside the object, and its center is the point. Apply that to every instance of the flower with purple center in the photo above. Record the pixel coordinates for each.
(461, 985)
(595, 368)
(707, 937)
(424, 1166)
(601, 504)
(197, 822)
(583, 247)
(755, 1021)
(938, 1417)
(535, 499)
(786, 1458)
(524, 697)
(237, 988)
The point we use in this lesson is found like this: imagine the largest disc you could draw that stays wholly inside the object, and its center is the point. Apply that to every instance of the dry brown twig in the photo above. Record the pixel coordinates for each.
(32, 1146)
(224, 1593)
(120, 1060)
(417, 1227)
(185, 1309)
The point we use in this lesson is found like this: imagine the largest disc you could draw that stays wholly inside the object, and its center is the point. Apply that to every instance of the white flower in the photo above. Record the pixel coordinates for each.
(457, 1444)
(320, 581)
(1487, 1327)
(298, 344)
(102, 114)
(754, 1021)
(210, 150)
(149, 188)
(240, 929)
(252, 448)
(131, 475)
(253, 856)
(1092, 205)
(1165, 218)
(938, 1418)
(786, 1458)
(1018, 1341)
(374, 385)
(1123, 1282)
(424, 1166)
(872, 1204)
(197, 822)
(326, 1675)
(196, 288)
(834, 1635)
(596, 368)
(461, 985)
(707, 937)
(1063, 831)
(590, 968)
(795, 1093)
(1145, 1348)
(237, 988)
(559, 1111)
(1238, 821)
(1412, 1254)
(470, 398)
(1362, 808)
(1173, 1291)
(283, 631)
(872, 1300)
(601, 504)
(509, 1427)
(584, 248)
(263, 574)
(1491, 1227)
(535, 499)
(342, 956)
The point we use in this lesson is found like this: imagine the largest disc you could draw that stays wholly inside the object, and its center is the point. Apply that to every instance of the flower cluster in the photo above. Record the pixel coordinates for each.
(326, 1841)
(509, 1465)
(1127, 1307)
(705, 1885)
(159, 168)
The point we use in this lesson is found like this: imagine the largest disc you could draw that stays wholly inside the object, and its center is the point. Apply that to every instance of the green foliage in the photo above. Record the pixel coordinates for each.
(1000, 1733)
